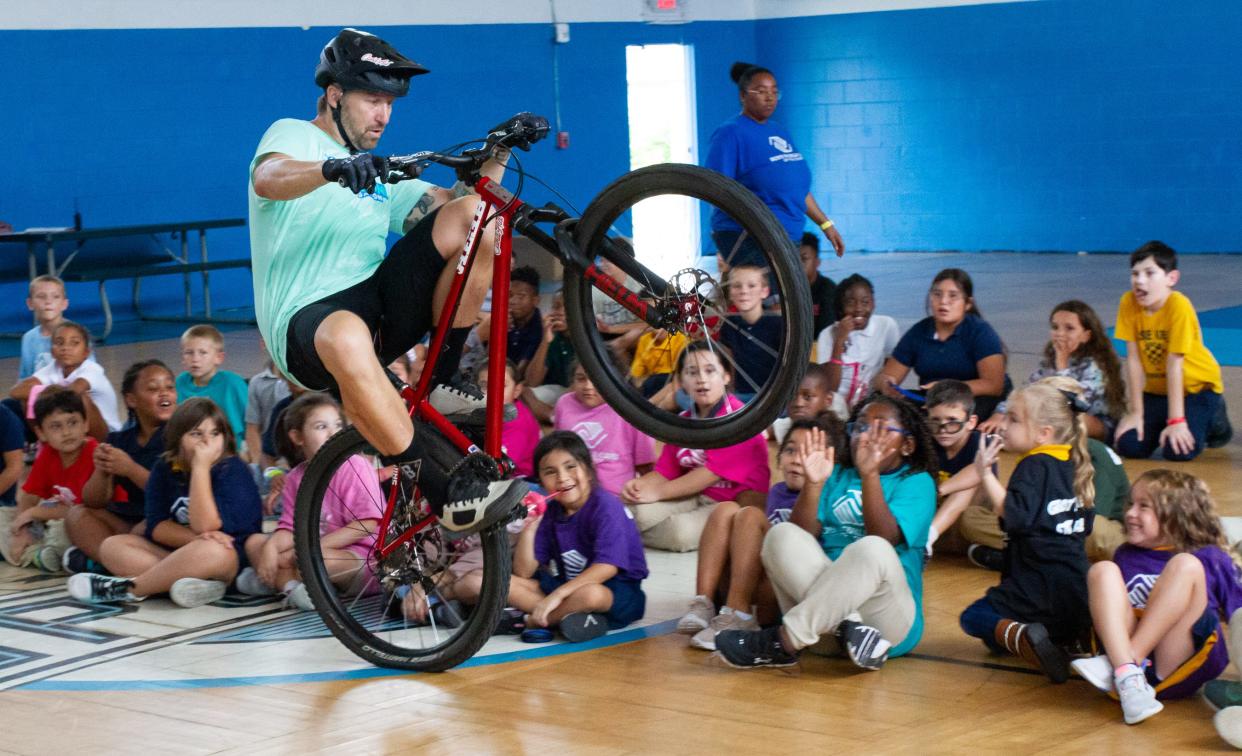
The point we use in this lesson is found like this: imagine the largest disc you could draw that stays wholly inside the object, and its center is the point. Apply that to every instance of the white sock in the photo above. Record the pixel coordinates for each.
(291, 586)
(743, 616)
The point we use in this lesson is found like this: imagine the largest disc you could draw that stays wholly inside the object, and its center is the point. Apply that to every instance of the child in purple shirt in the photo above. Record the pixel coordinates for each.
(582, 568)
(1159, 604)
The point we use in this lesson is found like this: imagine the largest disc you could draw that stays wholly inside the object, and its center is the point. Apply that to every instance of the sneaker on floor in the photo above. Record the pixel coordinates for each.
(580, 627)
(248, 582)
(49, 559)
(512, 622)
(1220, 431)
(986, 557)
(476, 503)
(1097, 670)
(1228, 724)
(99, 589)
(449, 614)
(1222, 694)
(192, 592)
(1138, 698)
(461, 401)
(726, 620)
(75, 560)
(697, 616)
(748, 649)
(299, 598)
(863, 644)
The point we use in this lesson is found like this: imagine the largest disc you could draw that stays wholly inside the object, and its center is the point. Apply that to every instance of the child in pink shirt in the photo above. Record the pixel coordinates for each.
(672, 503)
(618, 449)
(520, 436)
(352, 507)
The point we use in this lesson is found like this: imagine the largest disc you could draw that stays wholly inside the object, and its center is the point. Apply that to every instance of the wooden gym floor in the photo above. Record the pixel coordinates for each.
(252, 678)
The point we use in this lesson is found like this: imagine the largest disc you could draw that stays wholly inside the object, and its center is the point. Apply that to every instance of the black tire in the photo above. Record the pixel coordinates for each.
(360, 614)
(792, 353)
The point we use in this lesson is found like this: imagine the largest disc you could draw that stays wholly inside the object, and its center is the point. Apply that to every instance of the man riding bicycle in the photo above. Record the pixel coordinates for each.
(333, 308)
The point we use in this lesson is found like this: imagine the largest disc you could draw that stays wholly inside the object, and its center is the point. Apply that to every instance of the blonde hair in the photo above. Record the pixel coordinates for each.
(1046, 405)
(1185, 510)
(45, 279)
(203, 331)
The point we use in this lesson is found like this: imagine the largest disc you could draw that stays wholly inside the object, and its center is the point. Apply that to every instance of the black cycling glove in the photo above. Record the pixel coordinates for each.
(522, 130)
(358, 172)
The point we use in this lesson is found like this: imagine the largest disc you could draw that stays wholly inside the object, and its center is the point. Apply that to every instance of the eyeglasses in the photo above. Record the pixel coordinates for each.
(948, 426)
(857, 429)
(776, 93)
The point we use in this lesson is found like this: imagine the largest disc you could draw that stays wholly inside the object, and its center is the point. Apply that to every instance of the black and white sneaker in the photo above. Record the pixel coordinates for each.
(986, 557)
(749, 649)
(476, 503)
(99, 589)
(462, 402)
(863, 644)
(579, 627)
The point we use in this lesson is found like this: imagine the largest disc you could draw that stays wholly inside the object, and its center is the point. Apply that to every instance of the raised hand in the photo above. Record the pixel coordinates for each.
(989, 450)
(815, 456)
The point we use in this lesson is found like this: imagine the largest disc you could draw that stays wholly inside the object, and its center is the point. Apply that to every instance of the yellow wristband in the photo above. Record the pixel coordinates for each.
(826, 225)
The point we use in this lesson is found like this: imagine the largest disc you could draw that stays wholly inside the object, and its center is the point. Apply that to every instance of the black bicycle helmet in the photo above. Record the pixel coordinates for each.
(358, 60)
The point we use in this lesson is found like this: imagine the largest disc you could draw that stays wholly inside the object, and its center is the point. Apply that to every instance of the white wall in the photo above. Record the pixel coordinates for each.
(183, 14)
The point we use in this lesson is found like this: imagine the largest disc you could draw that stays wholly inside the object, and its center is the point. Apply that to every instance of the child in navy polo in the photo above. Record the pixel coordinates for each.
(749, 333)
(582, 568)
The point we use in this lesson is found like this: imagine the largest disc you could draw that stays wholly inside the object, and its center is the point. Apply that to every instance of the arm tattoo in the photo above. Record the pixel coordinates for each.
(422, 209)
(461, 189)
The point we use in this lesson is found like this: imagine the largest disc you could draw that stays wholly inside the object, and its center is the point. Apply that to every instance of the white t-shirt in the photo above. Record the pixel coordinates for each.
(102, 393)
(864, 355)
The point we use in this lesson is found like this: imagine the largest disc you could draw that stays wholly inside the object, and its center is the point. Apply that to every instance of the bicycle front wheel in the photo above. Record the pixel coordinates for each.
(651, 230)
(430, 604)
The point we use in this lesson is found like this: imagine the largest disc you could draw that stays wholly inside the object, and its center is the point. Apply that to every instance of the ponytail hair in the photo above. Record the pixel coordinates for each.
(742, 73)
(1057, 403)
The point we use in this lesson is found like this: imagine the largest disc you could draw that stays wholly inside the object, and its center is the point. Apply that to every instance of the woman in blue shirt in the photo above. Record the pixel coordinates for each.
(954, 341)
(759, 154)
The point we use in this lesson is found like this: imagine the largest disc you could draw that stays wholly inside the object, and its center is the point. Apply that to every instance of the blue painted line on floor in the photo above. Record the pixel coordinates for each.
(536, 652)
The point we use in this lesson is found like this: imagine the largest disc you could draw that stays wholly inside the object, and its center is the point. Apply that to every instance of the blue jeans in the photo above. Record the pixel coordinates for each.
(979, 621)
(1201, 409)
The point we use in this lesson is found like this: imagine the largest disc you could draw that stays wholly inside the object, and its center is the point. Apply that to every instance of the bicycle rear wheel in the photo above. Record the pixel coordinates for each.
(427, 606)
(680, 201)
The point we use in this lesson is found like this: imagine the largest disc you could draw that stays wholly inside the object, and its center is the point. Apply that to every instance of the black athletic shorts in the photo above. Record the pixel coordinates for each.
(395, 303)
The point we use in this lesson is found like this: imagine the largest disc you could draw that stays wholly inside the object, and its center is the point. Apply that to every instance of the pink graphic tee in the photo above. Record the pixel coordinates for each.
(616, 446)
(741, 467)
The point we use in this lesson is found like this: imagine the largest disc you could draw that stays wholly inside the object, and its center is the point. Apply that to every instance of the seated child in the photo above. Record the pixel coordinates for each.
(847, 568)
(1158, 606)
(823, 289)
(202, 354)
(520, 435)
(114, 499)
(550, 370)
(729, 573)
(671, 504)
(812, 399)
(749, 332)
(349, 520)
(202, 505)
(981, 530)
(581, 569)
(619, 451)
(33, 532)
(264, 390)
(951, 416)
(855, 347)
(654, 358)
(1175, 387)
(70, 367)
(1041, 602)
(525, 320)
(1079, 348)
(12, 455)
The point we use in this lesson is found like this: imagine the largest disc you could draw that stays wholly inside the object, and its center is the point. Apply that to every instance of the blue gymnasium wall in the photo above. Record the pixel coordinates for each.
(144, 126)
(1057, 125)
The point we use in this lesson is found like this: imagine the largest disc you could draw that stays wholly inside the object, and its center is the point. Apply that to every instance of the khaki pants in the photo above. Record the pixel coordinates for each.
(979, 525)
(673, 525)
(816, 593)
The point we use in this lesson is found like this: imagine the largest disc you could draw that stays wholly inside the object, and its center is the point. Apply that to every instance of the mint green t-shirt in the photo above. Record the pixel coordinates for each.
(323, 242)
(912, 500)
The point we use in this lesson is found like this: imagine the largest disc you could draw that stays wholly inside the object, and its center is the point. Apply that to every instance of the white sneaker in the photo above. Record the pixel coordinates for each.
(462, 402)
(698, 617)
(248, 582)
(1228, 723)
(1097, 670)
(192, 592)
(298, 597)
(726, 620)
(1138, 698)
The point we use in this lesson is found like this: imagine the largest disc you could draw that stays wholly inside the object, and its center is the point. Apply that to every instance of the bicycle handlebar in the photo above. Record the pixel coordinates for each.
(521, 131)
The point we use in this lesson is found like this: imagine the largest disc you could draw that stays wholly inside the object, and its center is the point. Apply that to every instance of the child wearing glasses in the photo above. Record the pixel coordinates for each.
(952, 420)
